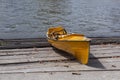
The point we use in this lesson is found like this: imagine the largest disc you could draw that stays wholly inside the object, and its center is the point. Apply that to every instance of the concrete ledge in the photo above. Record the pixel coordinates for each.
(42, 42)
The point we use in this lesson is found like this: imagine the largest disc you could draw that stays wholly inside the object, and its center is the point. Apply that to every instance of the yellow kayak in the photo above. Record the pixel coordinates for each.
(76, 44)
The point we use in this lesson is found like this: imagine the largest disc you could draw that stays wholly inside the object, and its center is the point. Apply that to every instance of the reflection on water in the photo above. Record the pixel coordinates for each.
(32, 18)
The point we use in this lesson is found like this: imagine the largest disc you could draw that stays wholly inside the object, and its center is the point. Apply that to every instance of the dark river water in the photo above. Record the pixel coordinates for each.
(32, 18)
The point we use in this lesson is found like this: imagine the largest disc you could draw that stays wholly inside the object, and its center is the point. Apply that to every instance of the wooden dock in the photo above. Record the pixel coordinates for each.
(51, 64)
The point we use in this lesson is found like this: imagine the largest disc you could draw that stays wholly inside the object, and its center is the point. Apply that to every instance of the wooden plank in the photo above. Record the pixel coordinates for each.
(95, 75)
(105, 50)
(31, 60)
(65, 66)
(24, 51)
(104, 47)
(93, 47)
(40, 54)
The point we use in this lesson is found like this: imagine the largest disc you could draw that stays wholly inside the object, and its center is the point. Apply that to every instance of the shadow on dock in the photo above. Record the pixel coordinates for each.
(63, 53)
(94, 62)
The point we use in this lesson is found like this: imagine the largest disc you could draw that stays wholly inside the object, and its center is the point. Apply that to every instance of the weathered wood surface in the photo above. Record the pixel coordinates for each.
(49, 63)
(91, 75)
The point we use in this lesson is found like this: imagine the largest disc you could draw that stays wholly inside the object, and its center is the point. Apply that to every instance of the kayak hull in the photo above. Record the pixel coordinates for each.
(79, 49)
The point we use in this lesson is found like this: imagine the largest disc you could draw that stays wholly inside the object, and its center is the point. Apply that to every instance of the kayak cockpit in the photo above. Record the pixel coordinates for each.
(59, 33)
